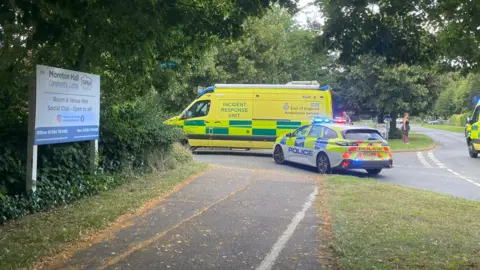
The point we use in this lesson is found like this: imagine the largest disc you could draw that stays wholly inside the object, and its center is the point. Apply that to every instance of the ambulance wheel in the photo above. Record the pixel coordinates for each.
(323, 164)
(471, 150)
(373, 171)
(278, 155)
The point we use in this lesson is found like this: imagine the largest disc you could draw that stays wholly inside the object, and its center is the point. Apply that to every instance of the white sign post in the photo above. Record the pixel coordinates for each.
(64, 106)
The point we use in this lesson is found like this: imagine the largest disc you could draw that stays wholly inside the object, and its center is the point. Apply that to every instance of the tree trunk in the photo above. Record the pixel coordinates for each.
(380, 118)
(393, 123)
(81, 60)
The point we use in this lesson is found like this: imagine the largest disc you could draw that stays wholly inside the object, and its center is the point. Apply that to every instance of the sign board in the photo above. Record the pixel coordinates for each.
(67, 106)
(388, 119)
(382, 128)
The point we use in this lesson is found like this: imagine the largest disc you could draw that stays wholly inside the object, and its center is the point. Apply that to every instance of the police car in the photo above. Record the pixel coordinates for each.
(327, 145)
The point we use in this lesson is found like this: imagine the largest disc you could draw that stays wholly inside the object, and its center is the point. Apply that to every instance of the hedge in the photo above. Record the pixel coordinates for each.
(132, 140)
(458, 120)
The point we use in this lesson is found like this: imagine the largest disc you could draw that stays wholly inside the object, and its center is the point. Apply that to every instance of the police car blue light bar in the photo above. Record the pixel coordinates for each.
(319, 120)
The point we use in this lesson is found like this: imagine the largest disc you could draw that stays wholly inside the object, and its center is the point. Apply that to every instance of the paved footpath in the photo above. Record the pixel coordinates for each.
(229, 218)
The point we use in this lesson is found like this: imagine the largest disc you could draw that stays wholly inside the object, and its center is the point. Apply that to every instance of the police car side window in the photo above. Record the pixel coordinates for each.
(329, 133)
(199, 109)
(316, 131)
(301, 131)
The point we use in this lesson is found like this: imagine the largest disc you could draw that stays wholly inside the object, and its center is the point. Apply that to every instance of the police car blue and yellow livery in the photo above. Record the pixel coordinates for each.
(326, 145)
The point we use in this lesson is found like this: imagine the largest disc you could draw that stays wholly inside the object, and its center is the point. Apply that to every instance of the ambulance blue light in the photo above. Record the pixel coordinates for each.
(209, 89)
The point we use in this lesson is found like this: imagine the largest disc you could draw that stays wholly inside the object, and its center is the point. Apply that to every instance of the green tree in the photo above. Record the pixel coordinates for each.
(466, 93)
(125, 42)
(391, 29)
(375, 87)
(445, 105)
(272, 50)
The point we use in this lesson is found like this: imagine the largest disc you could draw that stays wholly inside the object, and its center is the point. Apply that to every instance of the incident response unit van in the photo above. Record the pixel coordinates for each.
(471, 132)
(251, 115)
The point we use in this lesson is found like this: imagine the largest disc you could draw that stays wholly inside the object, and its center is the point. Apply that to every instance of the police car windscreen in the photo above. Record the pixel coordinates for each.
(362, 134)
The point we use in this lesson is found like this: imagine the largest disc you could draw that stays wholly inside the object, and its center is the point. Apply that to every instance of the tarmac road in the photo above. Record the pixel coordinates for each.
(250, 213)
(447, 169)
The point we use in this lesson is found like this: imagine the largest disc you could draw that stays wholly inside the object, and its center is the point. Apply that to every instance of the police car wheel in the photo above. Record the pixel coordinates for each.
(471, 150)
(323, 164)
(278, 155)
(373, 171)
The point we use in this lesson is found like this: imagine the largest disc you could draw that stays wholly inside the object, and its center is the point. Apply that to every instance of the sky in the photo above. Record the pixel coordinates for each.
(310, 11)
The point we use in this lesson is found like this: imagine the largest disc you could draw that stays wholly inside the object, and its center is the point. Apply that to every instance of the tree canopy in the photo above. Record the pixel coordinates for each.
(373, 86)
(412, 32)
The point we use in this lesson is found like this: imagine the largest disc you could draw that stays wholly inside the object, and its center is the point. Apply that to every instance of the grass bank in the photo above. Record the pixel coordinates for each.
(456, 129)
(416, 141)
(382, 226)
(27, 239)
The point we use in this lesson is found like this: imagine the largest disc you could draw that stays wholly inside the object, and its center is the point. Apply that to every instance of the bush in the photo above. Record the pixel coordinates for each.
(168, 161)
(55, 191)
(458, 120)
(131, 133)
(394, 133)
(132, 139)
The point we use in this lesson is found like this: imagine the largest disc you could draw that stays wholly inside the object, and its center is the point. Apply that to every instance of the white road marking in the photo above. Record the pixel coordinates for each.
(269, 260)
(423, 160)
(432, 157)
(464, 178)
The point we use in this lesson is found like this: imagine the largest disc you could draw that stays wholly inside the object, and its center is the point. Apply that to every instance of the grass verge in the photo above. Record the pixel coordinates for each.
(456, 129)
(416, 141)
(27, 239)
(382, 226)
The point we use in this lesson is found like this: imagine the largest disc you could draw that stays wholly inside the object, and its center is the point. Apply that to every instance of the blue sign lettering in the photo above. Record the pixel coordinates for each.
(298, 151)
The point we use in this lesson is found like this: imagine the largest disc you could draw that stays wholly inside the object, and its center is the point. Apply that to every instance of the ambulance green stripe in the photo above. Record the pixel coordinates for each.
(195, 123)
(264, 132)
(240, 123)
(288, 127)
(220, 131)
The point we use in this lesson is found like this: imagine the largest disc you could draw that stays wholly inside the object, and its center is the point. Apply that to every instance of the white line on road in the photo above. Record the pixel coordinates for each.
(464, 178)
(267, 263)
(432, 157)
(423, 160)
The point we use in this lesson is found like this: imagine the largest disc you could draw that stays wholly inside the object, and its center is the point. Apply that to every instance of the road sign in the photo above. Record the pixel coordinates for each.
(63, 106)
(67, 106)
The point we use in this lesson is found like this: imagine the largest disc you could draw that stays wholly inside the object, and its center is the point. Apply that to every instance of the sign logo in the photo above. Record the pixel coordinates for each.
(86, 83)
(59, 118)
(285, 107)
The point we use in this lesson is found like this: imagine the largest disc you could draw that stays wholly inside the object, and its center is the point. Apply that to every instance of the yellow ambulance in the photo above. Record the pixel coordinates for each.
(251, 115)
